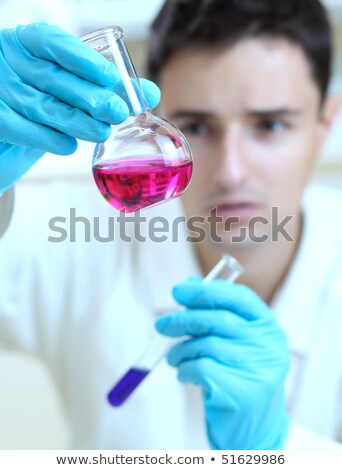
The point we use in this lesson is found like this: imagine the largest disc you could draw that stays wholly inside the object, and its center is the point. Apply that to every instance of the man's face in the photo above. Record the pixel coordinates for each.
(252, 116)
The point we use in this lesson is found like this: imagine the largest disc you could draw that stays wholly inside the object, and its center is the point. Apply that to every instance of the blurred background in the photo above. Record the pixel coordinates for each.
(135, 16)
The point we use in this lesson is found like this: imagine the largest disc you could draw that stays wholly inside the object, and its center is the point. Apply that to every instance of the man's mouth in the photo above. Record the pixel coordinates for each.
(243, 210)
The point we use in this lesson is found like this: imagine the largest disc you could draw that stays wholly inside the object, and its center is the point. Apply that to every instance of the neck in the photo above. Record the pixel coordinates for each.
(266, 265)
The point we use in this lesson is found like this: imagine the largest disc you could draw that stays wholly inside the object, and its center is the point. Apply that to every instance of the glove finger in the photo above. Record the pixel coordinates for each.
(195, 279)
(16, 129)
(151, 92)
(52, 43)
(144, 91)
(230, 389)
(47, 110)
(204, 322)
(220, 294)
(50, 78)
(198, 372)
(229, 352)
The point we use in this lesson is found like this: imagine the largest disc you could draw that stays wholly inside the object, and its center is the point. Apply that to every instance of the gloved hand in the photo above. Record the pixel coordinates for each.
(54, 89)
(238, 355)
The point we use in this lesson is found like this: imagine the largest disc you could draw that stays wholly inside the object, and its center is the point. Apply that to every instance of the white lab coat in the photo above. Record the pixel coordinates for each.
(87, 309)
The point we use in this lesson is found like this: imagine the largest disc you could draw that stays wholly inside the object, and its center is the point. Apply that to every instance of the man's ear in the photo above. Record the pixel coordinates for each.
(329, 111)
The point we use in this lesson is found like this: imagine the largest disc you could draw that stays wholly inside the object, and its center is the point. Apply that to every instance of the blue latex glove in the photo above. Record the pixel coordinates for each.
(54, 90)
(238, 355)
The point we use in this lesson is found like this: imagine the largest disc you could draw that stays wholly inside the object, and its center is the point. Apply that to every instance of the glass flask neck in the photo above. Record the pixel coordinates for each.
(109, 42)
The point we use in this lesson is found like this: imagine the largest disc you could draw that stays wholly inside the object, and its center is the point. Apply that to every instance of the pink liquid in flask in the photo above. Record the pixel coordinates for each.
(134, 184)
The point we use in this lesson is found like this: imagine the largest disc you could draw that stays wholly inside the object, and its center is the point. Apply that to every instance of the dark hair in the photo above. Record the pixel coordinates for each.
(220, 23)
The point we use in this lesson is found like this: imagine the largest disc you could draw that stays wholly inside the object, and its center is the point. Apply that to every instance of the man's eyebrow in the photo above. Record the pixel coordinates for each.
(253, 113)
(191, 114)
(279, 112)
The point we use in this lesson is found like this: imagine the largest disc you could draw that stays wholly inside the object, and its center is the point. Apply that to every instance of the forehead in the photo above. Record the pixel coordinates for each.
(252, 73)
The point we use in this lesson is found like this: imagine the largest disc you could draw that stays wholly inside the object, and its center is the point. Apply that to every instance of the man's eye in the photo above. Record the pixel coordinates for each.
(271, 125)
(195, 129)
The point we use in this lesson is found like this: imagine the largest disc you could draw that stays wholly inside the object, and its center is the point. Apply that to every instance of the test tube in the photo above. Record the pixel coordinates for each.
(227, 268)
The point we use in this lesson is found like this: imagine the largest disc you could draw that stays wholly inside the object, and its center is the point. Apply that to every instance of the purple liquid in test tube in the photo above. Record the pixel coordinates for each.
(126, 386)
(227, 268)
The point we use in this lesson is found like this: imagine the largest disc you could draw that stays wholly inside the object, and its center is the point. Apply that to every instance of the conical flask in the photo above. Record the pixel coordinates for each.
(146, 160)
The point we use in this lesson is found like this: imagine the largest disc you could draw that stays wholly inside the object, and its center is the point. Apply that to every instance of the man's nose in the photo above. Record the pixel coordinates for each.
(230, 162)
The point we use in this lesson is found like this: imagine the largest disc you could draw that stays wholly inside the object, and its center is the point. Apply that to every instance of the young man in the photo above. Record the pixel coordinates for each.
(247, 82)
(247, 86)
